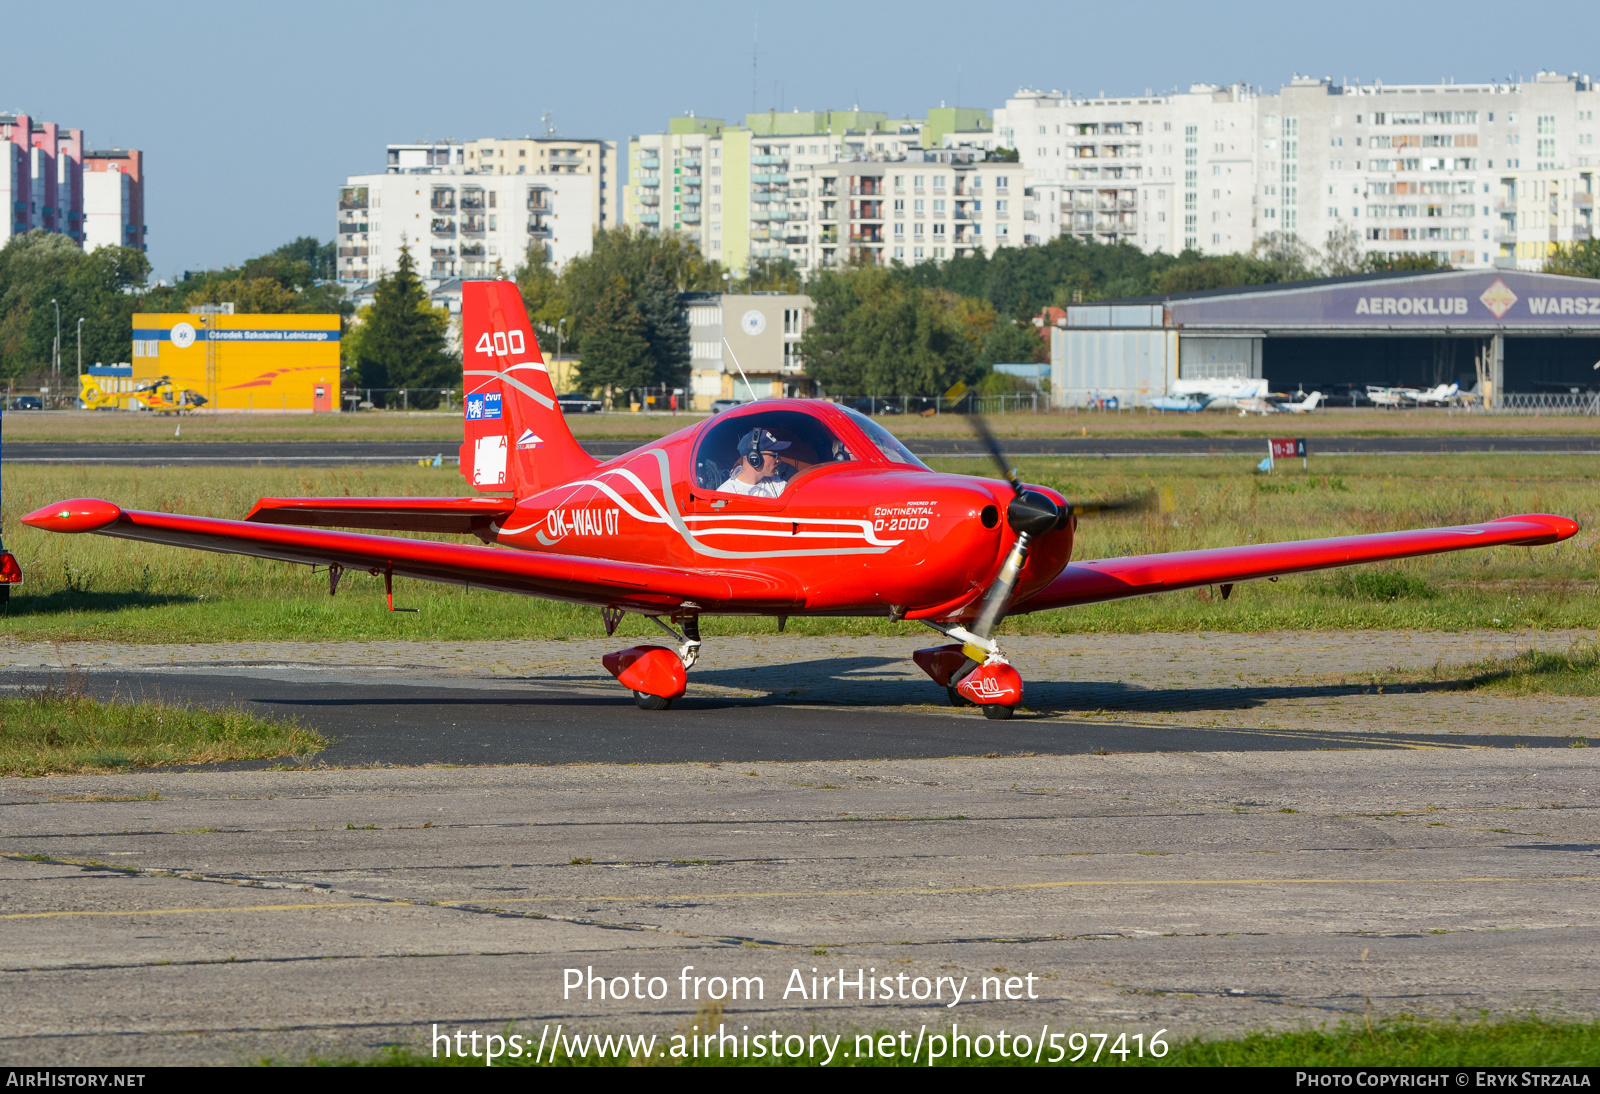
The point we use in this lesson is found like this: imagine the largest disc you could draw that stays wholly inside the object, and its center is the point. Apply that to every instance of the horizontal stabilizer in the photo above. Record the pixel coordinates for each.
(452, 516)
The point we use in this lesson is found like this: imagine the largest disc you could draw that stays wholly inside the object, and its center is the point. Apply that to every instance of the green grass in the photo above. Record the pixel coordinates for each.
(94, 588)
(1535, 672)
(52, 732)
(445, 427)
(1529, 1042)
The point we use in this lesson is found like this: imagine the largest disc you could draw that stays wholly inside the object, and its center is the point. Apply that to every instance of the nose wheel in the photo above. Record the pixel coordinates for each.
(973, 674)
(645, 701)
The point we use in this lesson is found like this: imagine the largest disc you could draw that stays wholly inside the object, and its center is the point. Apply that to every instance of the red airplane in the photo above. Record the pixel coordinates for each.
(781, 507)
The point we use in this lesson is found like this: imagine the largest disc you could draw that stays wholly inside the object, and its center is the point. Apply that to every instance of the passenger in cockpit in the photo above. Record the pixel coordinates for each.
(757, 473)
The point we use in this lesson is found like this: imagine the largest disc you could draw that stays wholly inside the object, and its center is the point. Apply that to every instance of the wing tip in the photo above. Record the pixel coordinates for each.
(76, 515)
(1560, 527)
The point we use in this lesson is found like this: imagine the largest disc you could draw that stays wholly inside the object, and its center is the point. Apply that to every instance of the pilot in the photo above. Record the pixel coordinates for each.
(757, 473)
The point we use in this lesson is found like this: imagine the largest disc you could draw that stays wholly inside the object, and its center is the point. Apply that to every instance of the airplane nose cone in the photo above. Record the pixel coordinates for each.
(77, 515)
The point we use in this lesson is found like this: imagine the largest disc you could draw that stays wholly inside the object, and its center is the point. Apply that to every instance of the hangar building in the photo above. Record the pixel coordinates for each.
(242, 362)
(1510, 332)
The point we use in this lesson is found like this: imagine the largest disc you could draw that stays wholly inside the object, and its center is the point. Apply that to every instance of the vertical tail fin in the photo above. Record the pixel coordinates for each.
(516, 436)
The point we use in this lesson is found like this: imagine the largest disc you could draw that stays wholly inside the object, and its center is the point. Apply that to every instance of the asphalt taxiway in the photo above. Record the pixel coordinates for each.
(785, 698)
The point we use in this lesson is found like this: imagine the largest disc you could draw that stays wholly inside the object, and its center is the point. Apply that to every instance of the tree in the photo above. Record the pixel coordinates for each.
(1012, 343)
(1580, 258)
(401, 340)
(666, 329)
(768, 275)
(872, 334)
(975, 317)
(542, 295)
(615, 350)
(1287, 257)
(1221, 272)
(295, 277)
(1343, 255)
(254, 295)
(825, 343)
(98, 287)
(319, 258)
(653, 270)
(1378, 262)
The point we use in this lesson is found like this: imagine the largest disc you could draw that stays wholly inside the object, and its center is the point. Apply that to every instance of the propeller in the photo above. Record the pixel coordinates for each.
(1030, 515)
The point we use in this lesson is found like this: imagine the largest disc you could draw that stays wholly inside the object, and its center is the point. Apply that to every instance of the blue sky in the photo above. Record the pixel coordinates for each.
(251, 116)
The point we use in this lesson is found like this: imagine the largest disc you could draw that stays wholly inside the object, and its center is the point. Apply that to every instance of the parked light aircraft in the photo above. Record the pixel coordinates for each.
(1278, 405)
(779, 507)
(1222, 394)
(1441, 395)
(1183, 404)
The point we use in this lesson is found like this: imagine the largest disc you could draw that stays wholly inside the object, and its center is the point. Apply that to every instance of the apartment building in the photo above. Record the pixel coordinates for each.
(51, 182)
(42, 184)
(921, 205)
(721, 185)
(113, 199)
(474, 209)
(460, 225)
(594, 160)
(1405, 169)
(1539, 211)
(1164, 173)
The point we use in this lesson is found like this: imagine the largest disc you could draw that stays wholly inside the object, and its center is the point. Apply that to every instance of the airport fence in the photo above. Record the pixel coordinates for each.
(1023, 402)
(1577, 403)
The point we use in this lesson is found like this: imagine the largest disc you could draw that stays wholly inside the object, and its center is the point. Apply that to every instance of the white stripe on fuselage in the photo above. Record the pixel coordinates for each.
(860, 530)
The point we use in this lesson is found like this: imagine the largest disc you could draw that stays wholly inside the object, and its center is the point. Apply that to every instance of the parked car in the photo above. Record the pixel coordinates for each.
(719, 405)
(26, 402)
(575, 402)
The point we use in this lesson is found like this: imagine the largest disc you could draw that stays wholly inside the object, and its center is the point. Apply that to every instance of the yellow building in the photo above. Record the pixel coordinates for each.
(243, 362)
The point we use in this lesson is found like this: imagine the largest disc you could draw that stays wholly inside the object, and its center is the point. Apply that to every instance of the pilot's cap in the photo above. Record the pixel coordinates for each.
(758, 441)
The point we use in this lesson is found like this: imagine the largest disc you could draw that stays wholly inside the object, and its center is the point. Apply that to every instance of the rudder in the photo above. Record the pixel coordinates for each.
(515, 436)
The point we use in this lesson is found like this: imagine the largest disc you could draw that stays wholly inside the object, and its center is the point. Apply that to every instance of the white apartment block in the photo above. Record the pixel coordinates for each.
(595, 160)
(1407, 168)
(464, 213)
(922, 205)
(726, 188)
(1538, 211)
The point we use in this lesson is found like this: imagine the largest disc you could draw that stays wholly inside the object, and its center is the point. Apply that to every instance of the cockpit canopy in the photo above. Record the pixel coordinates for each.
(811, 441)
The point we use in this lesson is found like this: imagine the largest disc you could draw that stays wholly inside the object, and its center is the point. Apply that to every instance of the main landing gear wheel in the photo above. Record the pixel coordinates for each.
(957, 699)
(646, 701)
(995, 710)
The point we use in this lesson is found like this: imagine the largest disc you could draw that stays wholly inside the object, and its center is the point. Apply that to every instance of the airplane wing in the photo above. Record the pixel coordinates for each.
(650, 590)
(459, 516)
(1140, 575)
